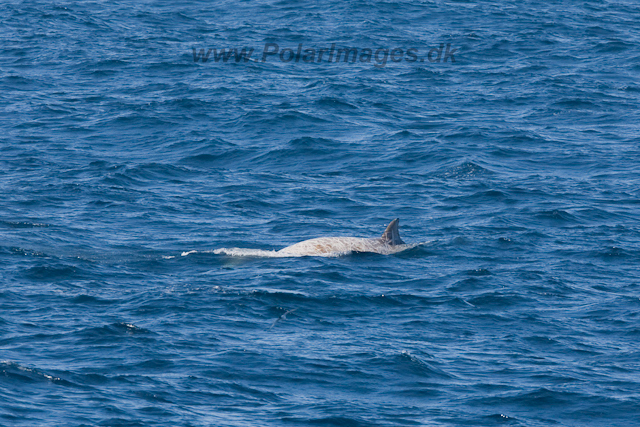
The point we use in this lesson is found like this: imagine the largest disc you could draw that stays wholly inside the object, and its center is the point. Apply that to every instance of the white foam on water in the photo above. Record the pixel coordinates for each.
(246, 252)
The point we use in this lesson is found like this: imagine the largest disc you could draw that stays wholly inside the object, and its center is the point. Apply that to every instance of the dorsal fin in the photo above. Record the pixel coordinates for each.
(391, 235)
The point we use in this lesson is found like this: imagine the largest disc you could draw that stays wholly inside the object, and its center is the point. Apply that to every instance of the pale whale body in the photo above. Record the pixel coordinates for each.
(389, 243)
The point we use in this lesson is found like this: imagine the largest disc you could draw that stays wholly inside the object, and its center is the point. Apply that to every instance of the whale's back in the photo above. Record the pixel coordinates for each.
(326, 245)
(340, 245)
(389, 243)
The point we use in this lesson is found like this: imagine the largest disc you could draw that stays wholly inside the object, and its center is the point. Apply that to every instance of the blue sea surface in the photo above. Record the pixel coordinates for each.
(126, 161)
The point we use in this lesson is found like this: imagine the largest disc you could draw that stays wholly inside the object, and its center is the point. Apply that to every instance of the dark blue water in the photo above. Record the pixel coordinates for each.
(517, 160)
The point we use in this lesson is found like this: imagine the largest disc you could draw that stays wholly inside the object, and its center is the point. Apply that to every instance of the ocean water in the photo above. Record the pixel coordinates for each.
(129, 171)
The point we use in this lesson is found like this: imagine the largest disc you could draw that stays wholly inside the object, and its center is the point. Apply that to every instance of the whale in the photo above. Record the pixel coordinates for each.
(389, 243)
